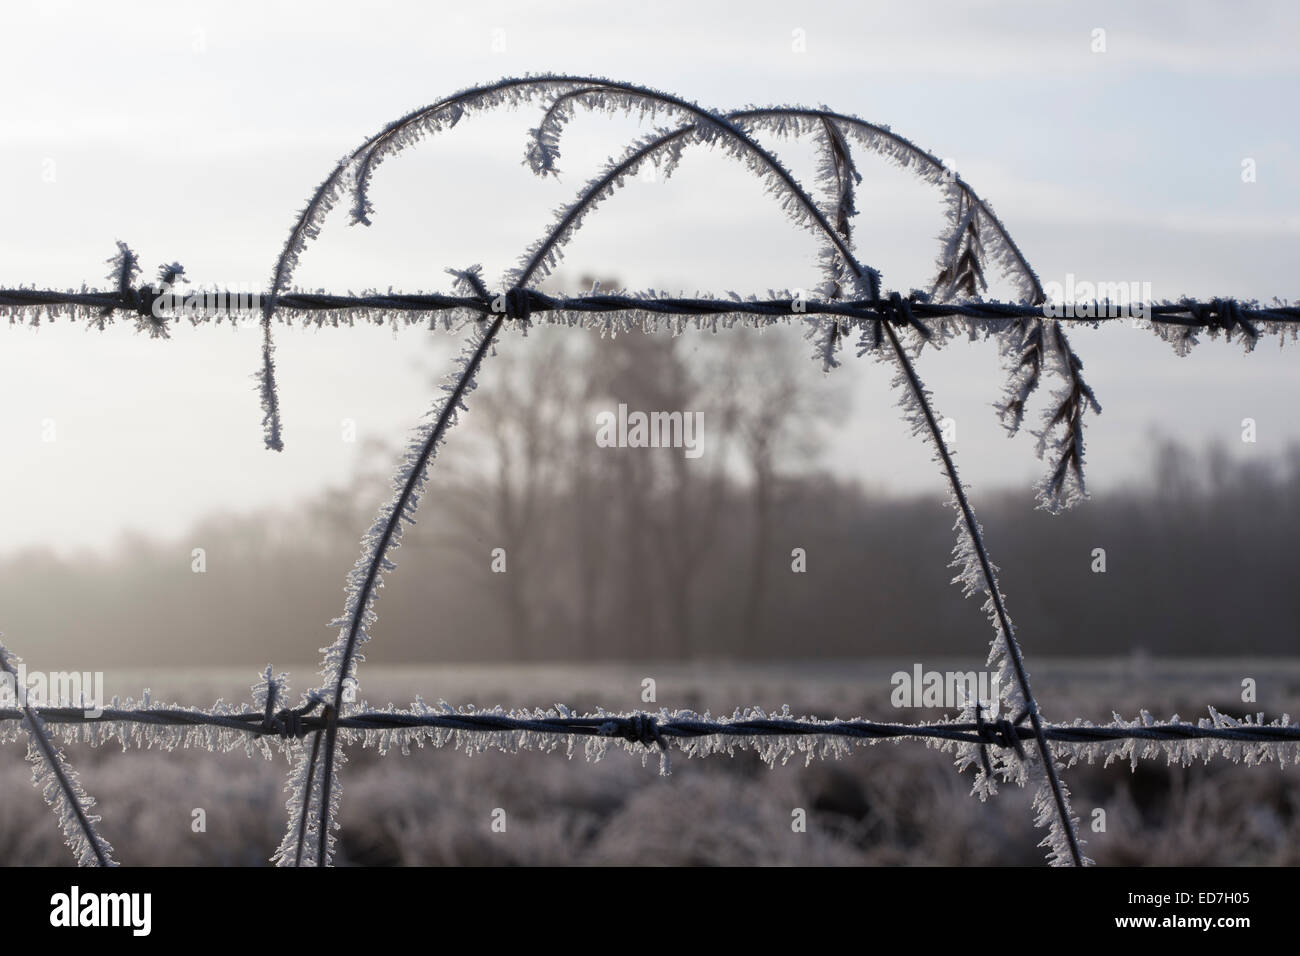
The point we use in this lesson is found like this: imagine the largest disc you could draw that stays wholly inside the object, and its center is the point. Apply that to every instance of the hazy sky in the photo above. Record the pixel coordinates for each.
(195, 131)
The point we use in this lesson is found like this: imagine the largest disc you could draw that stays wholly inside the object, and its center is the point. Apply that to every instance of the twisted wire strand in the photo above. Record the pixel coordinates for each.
(655, 729)
(1220, 313)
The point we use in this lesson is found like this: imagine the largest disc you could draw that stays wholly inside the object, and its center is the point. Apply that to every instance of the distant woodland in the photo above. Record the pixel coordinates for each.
(647, 553)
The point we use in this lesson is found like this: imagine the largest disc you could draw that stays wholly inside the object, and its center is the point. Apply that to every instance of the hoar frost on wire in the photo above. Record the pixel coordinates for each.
(960, 267)
(977, 574)
(1062, 834)
(365, 580)
(973, 237)
(708, 129)
(57, 781)
(121, 724)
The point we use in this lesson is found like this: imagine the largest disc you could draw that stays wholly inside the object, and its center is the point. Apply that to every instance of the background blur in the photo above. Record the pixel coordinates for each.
(618, 553)
(193, 131)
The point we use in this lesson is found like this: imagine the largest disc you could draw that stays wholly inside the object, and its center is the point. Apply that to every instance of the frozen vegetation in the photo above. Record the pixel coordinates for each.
(883, 804)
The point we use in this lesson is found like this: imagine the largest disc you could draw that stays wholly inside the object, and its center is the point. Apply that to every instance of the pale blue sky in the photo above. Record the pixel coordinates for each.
(194, 131)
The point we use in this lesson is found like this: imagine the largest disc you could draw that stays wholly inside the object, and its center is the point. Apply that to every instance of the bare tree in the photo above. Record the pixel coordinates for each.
(516, 468)
(777, 407)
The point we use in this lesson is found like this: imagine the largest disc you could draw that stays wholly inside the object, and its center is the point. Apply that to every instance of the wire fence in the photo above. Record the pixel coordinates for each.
(778, 737)
(1248, 319)
(1031, 332)
(658, 729)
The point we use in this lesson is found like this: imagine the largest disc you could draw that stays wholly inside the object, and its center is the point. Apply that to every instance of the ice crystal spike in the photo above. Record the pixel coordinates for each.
(269, 392)
(961, 262)
(1062, 429)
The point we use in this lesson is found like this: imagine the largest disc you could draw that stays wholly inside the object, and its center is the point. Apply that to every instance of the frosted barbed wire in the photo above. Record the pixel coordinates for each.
(54, 777)
(60, 787)
(961, 270)
(356, 169)
(708, 129)
(879, 139)
(961, 264)
(778, 735)
(543, 148)
(353, 172)
(989, 317)
(795, 121)
(307, 816)
(1062, 427)
(1023, 353)
(977, 574)
(974, 233)
(836, 177)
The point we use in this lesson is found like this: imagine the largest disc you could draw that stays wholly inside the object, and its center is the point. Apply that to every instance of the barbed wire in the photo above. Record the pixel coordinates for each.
(786, 735)
(1220, 313)
(655, 729)
(155, 307)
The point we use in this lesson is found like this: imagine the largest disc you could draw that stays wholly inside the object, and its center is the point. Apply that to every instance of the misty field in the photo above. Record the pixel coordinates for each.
(888, 804)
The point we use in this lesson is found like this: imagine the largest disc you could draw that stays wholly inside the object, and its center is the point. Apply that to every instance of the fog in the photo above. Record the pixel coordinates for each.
(534, 542)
